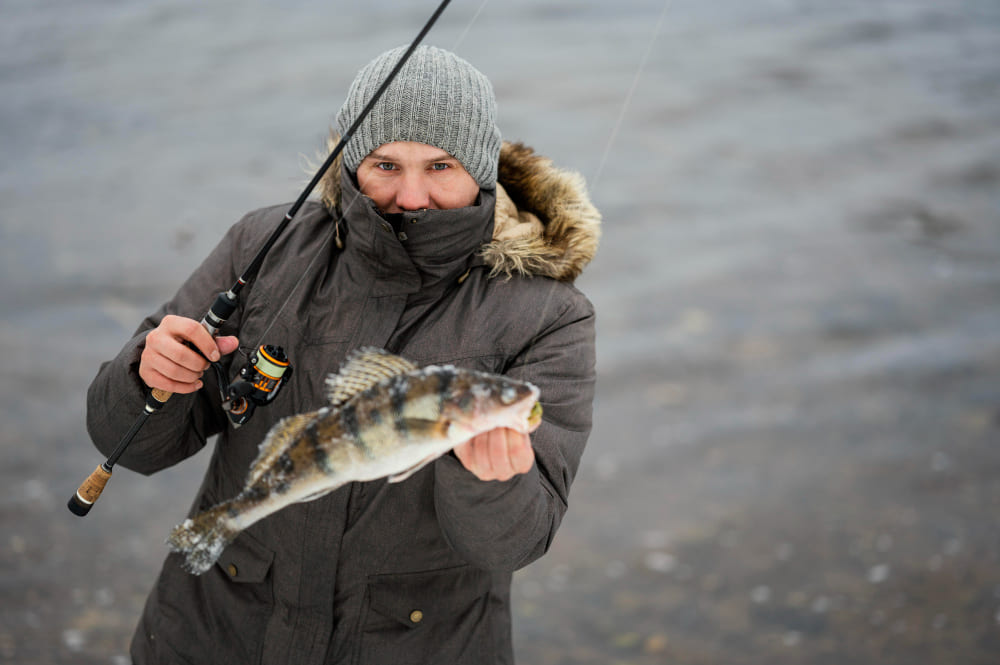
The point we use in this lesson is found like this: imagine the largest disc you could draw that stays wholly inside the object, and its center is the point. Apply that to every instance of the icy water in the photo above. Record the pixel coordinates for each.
(795, 457)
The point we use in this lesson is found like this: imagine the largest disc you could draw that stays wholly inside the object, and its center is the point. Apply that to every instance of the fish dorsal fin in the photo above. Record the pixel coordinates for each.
(282, 434)
(363, 369)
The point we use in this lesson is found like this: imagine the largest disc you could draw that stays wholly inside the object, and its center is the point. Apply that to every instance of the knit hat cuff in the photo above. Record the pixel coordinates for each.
(437, 98)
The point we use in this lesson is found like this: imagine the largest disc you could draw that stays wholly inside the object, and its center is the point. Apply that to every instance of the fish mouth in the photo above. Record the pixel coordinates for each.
(535, 417)
(529, 412)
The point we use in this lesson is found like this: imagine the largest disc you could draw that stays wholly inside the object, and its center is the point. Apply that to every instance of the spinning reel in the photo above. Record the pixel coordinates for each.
(267, 370)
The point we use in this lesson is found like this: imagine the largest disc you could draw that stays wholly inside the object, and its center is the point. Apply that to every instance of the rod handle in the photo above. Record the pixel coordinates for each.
(89, 491)
(161, 397)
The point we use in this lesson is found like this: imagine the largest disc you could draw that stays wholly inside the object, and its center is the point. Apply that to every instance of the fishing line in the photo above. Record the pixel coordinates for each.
(614, 135)
(342, 215)
(305, 273)
(630, 93)
(465, 32)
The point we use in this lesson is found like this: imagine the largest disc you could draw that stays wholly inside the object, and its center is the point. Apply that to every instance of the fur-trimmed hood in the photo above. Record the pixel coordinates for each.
(544, 222)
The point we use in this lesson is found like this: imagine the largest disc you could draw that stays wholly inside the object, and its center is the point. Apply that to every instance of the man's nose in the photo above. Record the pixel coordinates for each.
(413, 193)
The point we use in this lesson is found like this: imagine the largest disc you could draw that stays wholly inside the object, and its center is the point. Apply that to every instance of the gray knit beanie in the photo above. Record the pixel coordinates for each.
(437, 98)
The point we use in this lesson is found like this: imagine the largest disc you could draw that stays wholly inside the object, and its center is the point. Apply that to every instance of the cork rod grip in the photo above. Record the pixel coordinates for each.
(160, 396)
(89, 491)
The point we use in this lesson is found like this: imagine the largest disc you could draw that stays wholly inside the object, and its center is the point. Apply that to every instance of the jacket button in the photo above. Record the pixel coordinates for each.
(232, 570)
(416, 616)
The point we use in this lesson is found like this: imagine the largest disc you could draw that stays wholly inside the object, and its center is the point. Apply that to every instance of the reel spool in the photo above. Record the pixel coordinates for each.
(258, 383)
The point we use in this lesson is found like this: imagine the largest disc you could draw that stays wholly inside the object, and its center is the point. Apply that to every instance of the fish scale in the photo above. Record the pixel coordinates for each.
(386, 418)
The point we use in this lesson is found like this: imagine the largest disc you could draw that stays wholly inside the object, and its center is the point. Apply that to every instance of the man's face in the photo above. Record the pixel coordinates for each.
(404, 176)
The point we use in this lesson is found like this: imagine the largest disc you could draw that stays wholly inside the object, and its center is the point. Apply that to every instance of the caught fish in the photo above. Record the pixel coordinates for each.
(385, 417)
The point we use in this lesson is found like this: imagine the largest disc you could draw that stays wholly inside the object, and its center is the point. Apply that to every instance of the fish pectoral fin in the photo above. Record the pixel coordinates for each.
(317, 495)
(403, 475)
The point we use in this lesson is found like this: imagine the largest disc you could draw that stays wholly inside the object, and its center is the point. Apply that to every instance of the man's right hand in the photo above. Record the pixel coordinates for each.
(168, 364)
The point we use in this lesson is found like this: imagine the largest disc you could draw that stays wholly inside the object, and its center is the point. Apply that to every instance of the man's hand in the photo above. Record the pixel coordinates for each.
(499, 454)
(168, 364)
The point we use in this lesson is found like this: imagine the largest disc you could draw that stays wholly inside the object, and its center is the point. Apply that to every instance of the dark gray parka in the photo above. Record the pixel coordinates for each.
(412, 572)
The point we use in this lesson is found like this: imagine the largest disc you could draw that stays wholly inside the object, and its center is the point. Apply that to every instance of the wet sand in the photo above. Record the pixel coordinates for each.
(795, 451)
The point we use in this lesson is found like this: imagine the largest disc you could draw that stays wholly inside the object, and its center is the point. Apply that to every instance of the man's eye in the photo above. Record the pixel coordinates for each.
(385, 166)
(440, 166)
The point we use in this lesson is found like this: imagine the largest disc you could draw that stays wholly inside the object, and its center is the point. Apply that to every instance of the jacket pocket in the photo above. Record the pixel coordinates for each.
(220, 616)
(246, 561)
(438, 616)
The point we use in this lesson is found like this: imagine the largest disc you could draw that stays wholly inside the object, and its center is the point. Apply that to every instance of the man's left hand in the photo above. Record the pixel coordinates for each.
(499, 454)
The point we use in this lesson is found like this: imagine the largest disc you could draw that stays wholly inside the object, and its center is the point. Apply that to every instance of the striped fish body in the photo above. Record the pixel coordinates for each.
(386, 418)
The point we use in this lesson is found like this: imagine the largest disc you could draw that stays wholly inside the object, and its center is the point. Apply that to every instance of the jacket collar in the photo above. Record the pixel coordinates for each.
(427, 249)
(544, 223)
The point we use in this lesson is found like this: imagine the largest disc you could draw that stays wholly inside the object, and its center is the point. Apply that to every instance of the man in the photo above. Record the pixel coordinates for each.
(434, 240)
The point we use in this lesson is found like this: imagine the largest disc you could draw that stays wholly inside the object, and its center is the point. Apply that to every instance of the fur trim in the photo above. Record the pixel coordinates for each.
(329, 184)
(564, 227)
(544, 223)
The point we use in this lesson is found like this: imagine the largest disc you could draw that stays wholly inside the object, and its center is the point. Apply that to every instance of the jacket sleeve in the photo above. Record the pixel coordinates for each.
(116, 397)
(507, 525)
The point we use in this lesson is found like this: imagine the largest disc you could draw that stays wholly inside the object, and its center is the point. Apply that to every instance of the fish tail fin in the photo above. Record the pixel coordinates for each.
(202, 538)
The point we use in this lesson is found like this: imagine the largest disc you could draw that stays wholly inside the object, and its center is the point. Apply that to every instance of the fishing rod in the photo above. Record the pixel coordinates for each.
(268, 368)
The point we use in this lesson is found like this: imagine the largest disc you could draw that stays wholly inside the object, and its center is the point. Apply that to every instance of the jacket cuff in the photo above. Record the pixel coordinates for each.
(493, 524)
(121, 395)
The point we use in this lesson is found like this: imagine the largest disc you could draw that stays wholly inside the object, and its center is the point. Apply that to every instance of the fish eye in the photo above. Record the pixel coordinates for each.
(508, 394)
